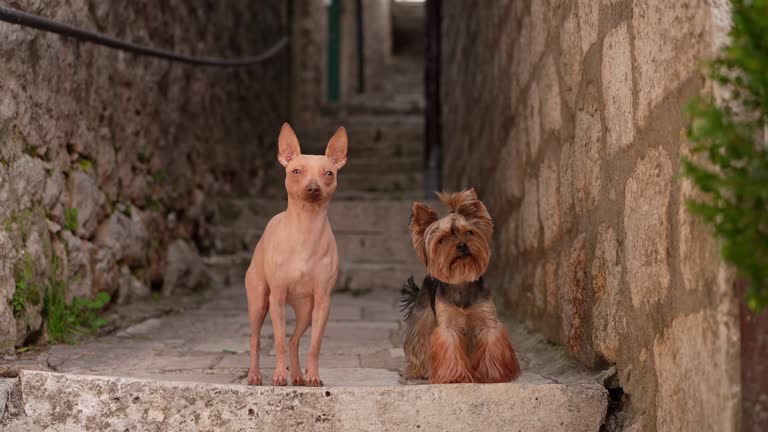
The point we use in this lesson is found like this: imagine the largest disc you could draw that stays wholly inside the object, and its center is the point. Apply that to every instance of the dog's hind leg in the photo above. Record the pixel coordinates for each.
(303, 310)
(257, 293)
(494, 359)
(416, 342)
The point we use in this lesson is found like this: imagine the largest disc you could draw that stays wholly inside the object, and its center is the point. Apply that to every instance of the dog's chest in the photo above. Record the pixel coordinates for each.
(463, 295)
(301, 268)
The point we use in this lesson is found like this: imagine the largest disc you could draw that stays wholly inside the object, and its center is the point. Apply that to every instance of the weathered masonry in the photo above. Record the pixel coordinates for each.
(106, 158)
(567, 116)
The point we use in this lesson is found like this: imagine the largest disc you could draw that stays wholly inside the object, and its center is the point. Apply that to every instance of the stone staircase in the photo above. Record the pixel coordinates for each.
(185, 370)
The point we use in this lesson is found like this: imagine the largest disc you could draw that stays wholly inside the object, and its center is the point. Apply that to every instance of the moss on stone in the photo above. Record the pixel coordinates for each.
(27, 290)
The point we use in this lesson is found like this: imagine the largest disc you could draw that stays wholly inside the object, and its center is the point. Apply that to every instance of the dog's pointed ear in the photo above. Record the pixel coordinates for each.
(287, 145)
(337, 148)
(421, 218)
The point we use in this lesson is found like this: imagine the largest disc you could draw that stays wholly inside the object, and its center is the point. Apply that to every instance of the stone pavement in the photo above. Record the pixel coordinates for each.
(167, 371)
(210, 344)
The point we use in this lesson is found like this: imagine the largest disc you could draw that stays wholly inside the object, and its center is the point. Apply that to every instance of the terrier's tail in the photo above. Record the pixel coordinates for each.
(408, 294)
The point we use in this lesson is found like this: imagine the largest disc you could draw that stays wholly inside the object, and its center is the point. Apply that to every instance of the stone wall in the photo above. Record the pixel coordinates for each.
(310, 58)
(310, 52)
(567, 116)
(377, 45)
(108, 160)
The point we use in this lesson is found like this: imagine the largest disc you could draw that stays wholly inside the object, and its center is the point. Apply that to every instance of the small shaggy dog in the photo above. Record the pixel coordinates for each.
(452, 333)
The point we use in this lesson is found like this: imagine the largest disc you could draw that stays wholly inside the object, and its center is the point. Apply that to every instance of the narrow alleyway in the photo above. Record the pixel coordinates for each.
(207, 342)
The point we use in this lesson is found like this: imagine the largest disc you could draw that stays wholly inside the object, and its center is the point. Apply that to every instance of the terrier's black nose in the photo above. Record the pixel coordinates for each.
(463, 249)
(314, 190)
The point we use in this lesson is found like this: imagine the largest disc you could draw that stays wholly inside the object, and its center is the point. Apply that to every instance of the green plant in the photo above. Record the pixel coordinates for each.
(159, 177)
(731, 137)
(64, 320)
(86, 165)
(26, 288)
(17, 218)
(70, 219)
(155, 205)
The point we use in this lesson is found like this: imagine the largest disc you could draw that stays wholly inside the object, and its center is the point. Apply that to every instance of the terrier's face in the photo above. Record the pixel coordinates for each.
(456, 248)
(309, 178)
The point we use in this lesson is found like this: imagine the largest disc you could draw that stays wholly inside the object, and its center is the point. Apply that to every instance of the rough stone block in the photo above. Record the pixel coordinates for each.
(585, 155)
(105, 404)
(607, 324)
(618, 89)
(588, 14)
(572, 281)
(533, 120)
(691, 359)
(528, 237)
(551, 117)
(85, 196)
(699, 252)
(549, 201)
(570, 58)
(669, 40)
(646, 227)
(511, 168)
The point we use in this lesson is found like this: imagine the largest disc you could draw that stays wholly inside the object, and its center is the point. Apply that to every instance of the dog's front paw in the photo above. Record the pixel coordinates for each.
(254, 378)
(313, 379)
(280, 378)
(297, 379)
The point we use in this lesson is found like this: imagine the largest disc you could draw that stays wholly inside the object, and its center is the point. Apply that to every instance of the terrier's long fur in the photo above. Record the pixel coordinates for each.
(296, 261)
(452, 333)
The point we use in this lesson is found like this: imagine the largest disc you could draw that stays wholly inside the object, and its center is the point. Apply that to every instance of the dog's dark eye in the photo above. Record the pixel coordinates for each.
(297, 171)
(470, 233)
(329, 174)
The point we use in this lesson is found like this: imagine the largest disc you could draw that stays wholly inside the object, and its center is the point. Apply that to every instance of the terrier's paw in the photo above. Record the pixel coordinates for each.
(254, 378)
(313, 379)
(279, 379)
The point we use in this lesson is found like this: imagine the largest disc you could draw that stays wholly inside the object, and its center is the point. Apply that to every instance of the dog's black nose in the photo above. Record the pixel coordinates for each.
(463, 249)
(314, 190)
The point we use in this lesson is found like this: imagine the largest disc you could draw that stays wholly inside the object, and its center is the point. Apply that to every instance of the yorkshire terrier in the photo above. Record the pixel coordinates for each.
(452, 333)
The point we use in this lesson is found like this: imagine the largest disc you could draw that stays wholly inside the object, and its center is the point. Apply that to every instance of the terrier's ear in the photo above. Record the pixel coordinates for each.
(421, 218)
(337, 148)
(287, 145)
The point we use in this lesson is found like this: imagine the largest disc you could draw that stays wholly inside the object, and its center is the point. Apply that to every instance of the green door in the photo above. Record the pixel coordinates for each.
(334, 49)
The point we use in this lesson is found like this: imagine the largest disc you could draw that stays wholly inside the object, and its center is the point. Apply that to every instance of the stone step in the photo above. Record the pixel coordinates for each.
(382, 216)
(375, 166)
(352, 246)
(54, 401)
(228, 269)
(366, 141)
(356, 195)
(354, 276)
(381, 182)
(360, 277)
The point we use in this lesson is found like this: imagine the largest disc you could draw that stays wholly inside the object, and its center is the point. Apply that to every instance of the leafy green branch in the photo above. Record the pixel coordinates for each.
(730, 136)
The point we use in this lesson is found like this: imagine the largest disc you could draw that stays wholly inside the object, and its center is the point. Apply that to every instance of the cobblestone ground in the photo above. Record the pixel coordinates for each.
(210, 344)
